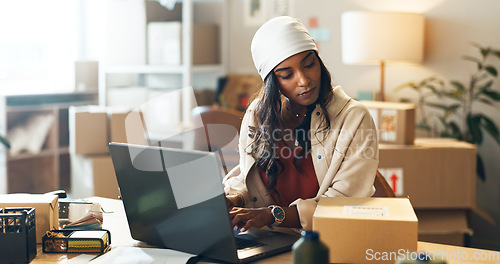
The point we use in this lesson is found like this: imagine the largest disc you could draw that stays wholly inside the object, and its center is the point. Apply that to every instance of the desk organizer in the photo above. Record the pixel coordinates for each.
(17, 234)
(90, 241)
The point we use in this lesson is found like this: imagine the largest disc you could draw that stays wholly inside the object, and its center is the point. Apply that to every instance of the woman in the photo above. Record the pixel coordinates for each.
(300, 139)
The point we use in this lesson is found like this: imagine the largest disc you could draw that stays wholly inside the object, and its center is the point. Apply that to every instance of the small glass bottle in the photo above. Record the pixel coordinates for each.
(309, 249)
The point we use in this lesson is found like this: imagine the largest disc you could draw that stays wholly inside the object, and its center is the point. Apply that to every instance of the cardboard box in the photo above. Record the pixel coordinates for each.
(126, 127)
(93, 176)
(46, 210)
(395, 122)
(238, 91)
(448, 227)
(165, 43)
(88, 129)
(434, 172)
(361, 230)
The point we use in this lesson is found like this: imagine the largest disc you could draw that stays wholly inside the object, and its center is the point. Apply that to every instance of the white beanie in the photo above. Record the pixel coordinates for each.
(278, 39)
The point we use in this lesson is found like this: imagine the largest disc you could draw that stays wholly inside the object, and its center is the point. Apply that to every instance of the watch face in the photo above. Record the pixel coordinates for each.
(278, 213)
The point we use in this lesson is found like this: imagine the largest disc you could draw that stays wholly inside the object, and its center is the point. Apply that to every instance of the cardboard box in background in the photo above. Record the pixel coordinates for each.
(448, 227)
(46, 210)
(93, 175)
(395, 122)
(355, 229)
(165, 43)
(434, 172)
(239, 90)
(88, 130)
(204, 97)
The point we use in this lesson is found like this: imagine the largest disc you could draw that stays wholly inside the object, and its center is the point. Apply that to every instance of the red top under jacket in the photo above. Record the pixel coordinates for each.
(295, 180)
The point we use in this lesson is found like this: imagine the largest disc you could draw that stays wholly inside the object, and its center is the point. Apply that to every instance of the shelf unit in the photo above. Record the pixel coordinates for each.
(187, 70)
(49, 169)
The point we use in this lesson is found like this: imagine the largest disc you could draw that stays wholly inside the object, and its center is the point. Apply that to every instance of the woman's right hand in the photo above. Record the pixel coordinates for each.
(233, 200)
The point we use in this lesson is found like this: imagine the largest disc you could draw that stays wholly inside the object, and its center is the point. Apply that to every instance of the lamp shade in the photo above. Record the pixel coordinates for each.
(372, 37)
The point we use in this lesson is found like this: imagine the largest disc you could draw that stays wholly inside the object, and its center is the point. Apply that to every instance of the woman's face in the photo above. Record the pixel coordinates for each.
(299, 78)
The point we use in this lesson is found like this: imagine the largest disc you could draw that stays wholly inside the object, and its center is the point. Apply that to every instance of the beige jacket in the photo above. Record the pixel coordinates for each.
(345, 159)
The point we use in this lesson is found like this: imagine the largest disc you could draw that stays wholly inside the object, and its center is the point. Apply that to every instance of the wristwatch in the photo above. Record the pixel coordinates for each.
(278, 213)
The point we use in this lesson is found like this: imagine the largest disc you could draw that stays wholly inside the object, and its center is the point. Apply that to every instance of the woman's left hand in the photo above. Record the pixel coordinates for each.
(244, 218)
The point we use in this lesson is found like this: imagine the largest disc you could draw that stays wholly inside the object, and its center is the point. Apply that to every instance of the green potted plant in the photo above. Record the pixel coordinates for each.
(459, 118)
(5, 142)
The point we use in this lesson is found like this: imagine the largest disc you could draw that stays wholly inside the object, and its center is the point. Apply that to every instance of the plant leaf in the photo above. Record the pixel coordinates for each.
(483, 89)
(490, 127)
(470, 58)
(481, 172)
(458, 85)
(455, 131)
(5, 142)
(423, 127)
(493, 95)
(491, 70)
(404, 85)
(435, 105)
(473, 126)
(433, 89)
(484, 51)
(496, 53)
(451, 95)
(483, 100)
(451, 109)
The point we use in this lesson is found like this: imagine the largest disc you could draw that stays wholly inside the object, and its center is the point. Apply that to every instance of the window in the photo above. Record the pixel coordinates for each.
(38, 45)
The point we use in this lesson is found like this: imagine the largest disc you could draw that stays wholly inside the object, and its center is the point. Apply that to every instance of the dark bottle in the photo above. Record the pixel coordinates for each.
(309, 249)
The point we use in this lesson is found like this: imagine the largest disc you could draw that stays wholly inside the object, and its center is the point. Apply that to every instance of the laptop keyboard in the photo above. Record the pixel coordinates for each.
(242, 243)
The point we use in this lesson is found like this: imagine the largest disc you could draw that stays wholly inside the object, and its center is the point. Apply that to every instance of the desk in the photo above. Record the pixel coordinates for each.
(115, 221)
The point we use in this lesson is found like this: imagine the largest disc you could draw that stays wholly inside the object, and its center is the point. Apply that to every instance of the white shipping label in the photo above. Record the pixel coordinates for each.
(366, 210)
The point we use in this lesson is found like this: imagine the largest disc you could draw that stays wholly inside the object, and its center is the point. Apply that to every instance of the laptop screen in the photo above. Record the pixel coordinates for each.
(180, 206)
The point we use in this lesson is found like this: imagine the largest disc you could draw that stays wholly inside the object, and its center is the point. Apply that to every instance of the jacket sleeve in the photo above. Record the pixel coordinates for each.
(235, 181)
(353, 165)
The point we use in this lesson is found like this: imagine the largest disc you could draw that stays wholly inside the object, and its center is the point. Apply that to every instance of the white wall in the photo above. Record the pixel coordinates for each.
(450, 26)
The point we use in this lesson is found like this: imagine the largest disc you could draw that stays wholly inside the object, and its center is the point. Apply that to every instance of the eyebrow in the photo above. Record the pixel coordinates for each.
(287, 68)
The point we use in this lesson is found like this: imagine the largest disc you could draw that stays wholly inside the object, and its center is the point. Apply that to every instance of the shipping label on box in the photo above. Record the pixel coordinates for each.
(395, 122)
(46, 210)
(361, 230)
(434, 173)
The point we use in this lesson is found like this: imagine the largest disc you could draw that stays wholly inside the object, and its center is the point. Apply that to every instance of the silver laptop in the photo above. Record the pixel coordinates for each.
(174, 199)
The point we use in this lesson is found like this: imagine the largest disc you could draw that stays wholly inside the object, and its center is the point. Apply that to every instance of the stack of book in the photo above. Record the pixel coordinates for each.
(88, 241)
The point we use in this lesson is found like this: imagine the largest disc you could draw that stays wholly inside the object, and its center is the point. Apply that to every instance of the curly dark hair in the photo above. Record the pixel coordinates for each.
(268, 121)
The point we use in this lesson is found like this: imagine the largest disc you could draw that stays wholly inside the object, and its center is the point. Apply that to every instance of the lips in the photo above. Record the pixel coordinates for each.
(307, 92)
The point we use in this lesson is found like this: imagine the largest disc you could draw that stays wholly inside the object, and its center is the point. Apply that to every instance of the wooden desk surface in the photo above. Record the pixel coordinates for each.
(115, 222)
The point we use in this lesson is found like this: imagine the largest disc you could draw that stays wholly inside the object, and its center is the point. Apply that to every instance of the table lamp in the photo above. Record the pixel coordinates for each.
(380, 37)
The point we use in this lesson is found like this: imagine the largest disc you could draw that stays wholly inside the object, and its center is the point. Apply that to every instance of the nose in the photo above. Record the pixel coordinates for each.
(303, 79)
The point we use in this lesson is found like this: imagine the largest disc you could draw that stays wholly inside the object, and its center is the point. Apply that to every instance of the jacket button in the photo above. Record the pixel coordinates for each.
(254, 199)
(317, 113)
(319, 156)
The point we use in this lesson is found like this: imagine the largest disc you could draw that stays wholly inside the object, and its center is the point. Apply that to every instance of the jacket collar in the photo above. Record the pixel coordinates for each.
(334, 107)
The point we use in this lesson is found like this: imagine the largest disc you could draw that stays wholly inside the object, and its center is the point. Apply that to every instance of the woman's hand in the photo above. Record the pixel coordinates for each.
(244, 218)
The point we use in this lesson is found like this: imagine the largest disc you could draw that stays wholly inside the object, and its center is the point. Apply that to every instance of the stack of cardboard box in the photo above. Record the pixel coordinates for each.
(437, 174)
(91, 130)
